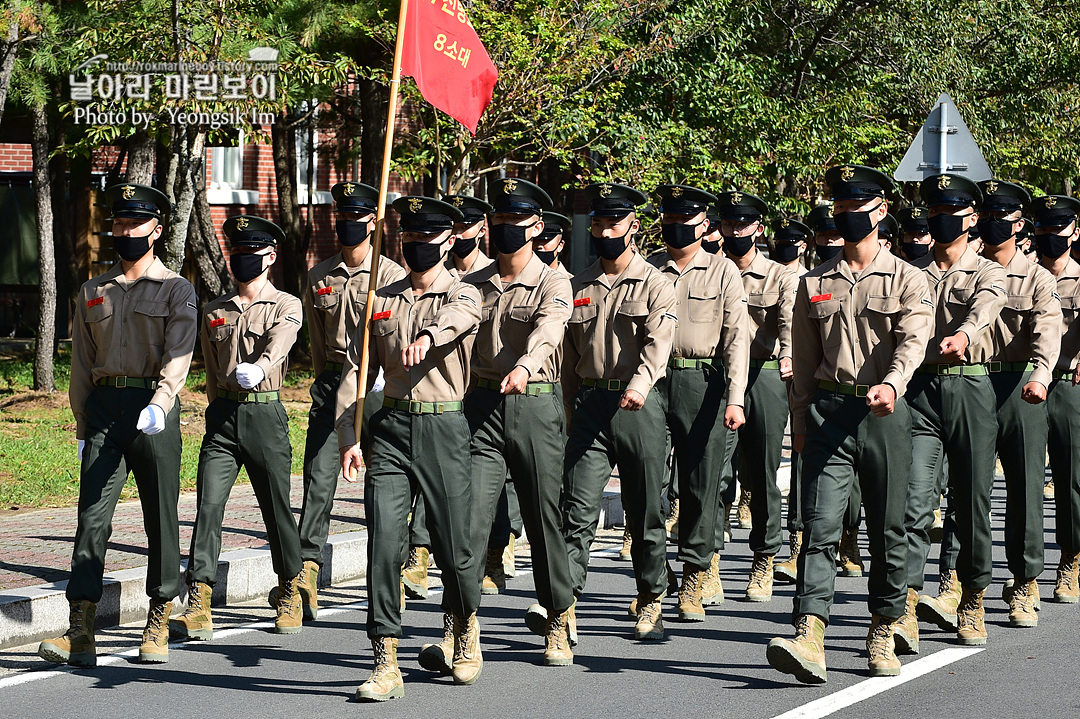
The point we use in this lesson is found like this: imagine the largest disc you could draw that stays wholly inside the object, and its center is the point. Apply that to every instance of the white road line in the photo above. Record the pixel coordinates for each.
(871, 687)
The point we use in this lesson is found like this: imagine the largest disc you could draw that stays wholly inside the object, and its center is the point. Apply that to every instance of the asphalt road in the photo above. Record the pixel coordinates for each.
(712, 669)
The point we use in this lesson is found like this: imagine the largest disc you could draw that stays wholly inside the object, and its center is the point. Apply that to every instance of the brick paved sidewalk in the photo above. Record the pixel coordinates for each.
(35, 545)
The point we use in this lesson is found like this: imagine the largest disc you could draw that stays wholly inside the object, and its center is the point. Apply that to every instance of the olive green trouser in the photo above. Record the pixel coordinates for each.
(113, 448)
(602, 436)
(507, 519)
(254, 435)
(694, 400)
(956, 416)
(411, 454)
(1063, 406)
(852, 516)
(761, 441)
(526, 436)
(322, 462)
(845, 443)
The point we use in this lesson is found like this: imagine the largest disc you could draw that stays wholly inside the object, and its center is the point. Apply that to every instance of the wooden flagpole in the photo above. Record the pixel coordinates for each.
(380, 218)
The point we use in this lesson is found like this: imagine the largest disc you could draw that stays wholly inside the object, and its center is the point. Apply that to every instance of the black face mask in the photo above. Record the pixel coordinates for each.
(678, 235)
(546, 256)
(1052, 246)
(246, 267)
(610, 248)
(351, 233)
(1076, 249)
(854, 226)
(994, 231)
(827, 252)
(711, 246)
(785, 252)
(737, 246)
(464, 246)
(422, 256)
(131, 248)
(913, 250)
(508, 239)
(946, 228)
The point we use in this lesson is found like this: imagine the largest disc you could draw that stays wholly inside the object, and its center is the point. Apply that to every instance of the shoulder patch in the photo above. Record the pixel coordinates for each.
(469, 298)
(672, 316)
(290, 318)
(560, 301)
(928, 302)
(191, 305)
(95, 302)
(1056, 295)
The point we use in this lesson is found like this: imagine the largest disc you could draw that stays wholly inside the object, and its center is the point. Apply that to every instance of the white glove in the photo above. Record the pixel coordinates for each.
(380, 382)
(151, 420)
(249, 375)
(82, 443)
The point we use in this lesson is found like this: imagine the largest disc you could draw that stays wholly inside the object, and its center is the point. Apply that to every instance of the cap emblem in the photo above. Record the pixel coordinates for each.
(415, 203)
(1050, 201)
(241, 223)
(510, 185)
(943, 182)
(847, 173)
(736, 198)
(676, 192)
(349, 187)
(991, 187)
(127, 192)
(605, 190)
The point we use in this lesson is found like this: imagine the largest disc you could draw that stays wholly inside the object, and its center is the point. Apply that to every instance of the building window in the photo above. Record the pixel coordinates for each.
(227, 166)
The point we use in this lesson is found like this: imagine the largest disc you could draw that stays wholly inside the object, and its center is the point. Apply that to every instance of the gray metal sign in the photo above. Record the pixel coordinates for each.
(944, 144)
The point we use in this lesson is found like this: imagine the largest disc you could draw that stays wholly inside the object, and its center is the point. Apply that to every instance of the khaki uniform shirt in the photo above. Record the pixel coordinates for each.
(522, 323)
(864, 330)
(1068, 290)
(622, 331)
(449, 311)
(967, 298)
(334, 302)
(479, 263)
(145, 328)
(561, 269)
(262, 333)
(713, 322)
(1029, 326)
(770, 295)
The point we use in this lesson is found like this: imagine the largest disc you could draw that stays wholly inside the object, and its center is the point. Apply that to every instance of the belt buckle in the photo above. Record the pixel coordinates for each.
(612, 385)
(993, 367)
(440, 407)
(861, 390)
(121, 382)
(943, 369)
(415, 406)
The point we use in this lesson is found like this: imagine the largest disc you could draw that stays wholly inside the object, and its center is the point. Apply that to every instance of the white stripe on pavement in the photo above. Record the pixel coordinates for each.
(871, 687)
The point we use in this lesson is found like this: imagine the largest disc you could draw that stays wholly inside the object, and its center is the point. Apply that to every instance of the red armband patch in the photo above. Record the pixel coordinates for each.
(821, 298)
(95, 302)
(583, 301)
(218, 322)
(381, 316)
(325, 291)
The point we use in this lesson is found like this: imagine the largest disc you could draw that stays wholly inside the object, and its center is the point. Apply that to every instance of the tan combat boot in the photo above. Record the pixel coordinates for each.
(759, 588)
(439, 657)
(494, 578)
(849, 558)
(385, 681)
(624, 552)
(787, 571)
(671, 526)
(880, 648)
(970, 616)
(690, 607)
(1048, 490)
(468, 659)
(557, 651)
(941, 610)
(650, 619)
(536, 619)
(712, 591)
(415, 573)
(77, 646)
(906, 628)
(196, 622)
(937, 529)
(309, 590)
(1023, 603)
(743, 515)
(155, 636)
(571, 622)
(509, 561)
(803, 657)
(290, 617)
(1007, 592)
(1065, 590)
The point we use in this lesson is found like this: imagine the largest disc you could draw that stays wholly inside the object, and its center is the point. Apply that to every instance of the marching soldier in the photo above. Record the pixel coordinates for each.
(553, 240)
(916, 240)
(246, 336)
(703, 389)
(1056, 230)
(954, 406)
(827, 241)
(859, 330)
(711, 240)
(617, 345)
(790, 239)
(887, 232)
(132, 339)
(422, 333)
(770, 292)
(334, 302)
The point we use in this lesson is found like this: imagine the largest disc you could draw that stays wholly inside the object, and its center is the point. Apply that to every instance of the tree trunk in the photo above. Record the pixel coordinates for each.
(284, 152)
(67, 281)
(213, 273)
(374, 100)
(140, 165)
(46, 334)
(8, 48)
(190, 144)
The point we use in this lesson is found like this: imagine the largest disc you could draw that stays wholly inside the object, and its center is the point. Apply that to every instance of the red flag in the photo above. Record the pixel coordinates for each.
(443, 53)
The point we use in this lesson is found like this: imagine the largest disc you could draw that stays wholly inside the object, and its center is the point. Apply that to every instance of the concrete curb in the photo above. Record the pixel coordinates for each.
(34, 613)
